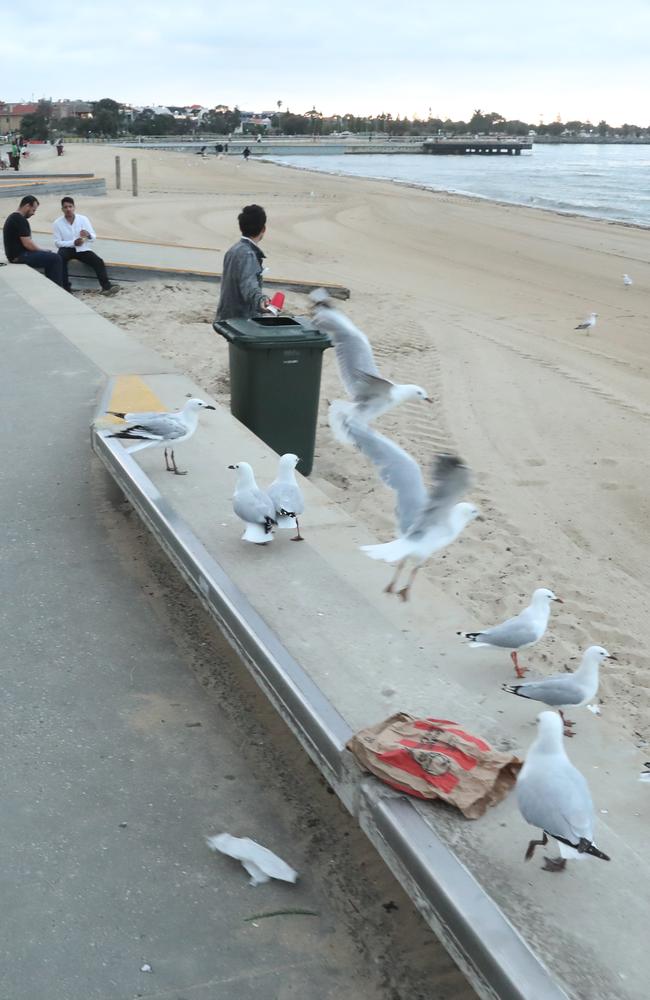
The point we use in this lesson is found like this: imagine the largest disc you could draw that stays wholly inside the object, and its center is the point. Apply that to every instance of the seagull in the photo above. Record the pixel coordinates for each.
(554, 796)
(588, 323)
(286, 495)
(523, 630)
(428, 520)
(371, 394)
(627, 280)
(253, 506)
(562, 690)
(645, 775)
(161, 428)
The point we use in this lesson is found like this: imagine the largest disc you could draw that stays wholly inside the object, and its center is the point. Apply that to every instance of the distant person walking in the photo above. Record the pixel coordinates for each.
(241, 282)
(21, 249)
(14, 156)
(246, 153)
(72, 234)
(59, 148)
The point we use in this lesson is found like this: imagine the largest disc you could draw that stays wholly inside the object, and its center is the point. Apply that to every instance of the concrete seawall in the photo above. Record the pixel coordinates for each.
(334, 654)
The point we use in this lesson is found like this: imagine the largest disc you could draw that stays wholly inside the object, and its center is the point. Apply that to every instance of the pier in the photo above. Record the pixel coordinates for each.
(361, 145)
(487, 146)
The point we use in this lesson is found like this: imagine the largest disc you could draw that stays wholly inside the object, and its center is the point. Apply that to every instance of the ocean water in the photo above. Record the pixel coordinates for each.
(602, 182)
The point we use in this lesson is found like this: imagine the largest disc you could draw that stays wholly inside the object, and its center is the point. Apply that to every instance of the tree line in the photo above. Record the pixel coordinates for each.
(110, 120)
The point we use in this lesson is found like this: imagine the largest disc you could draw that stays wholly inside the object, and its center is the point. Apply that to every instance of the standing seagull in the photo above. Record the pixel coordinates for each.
(287, 496)
(371, 394)
(562, 690)
(253, 506)
(627, 280)
(428, 520)
(588, 323)
(554, 796)
(161, 428)
(523, 630)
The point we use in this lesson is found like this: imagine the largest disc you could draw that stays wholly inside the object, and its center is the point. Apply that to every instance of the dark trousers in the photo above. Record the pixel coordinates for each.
(88, 257)
(51, 263)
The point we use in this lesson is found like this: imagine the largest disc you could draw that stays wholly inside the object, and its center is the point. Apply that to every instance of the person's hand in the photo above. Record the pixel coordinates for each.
(84, 233)
(79, 240)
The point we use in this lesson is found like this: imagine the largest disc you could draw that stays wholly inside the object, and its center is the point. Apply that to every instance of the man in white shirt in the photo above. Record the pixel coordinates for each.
(72, 234)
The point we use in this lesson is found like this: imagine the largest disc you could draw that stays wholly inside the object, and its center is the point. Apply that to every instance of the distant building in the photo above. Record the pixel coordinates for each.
(251, 120)
(71, 109)
(11, 115)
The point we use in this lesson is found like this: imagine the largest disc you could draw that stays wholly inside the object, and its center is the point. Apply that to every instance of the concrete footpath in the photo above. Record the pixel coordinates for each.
(353, 657)
(137, 260)
(117, 763)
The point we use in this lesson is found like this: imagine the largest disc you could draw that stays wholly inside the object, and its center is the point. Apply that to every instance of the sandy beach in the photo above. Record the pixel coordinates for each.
(476, 302)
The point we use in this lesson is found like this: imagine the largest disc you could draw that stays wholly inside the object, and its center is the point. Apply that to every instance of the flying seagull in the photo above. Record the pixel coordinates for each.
(427, 519)
(553, 795)
(153, 429)
(524, 630)
(286, 495)
(562, 690)
(371, 393)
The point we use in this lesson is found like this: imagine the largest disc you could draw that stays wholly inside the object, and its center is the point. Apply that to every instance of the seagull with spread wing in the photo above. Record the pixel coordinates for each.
(428, 519)
(371, 393)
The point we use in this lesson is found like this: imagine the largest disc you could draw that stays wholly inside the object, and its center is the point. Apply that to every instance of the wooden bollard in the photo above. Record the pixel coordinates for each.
(134, 177)
(118, 174)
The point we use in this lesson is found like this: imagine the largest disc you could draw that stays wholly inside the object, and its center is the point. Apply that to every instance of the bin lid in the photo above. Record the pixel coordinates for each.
(273, 331)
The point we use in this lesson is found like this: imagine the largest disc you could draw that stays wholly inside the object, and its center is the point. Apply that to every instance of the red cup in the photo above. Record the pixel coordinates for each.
(277, 301)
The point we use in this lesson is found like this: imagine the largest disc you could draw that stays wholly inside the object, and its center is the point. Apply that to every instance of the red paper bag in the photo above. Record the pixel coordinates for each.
(436, 759)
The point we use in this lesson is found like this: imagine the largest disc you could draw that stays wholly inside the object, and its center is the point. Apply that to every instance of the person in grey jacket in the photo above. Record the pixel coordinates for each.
(241, 283)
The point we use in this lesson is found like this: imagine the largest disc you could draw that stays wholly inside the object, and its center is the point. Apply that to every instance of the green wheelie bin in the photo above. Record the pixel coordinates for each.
(275, 369)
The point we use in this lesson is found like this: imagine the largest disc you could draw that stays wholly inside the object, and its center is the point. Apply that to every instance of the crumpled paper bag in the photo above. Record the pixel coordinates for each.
(436, 759)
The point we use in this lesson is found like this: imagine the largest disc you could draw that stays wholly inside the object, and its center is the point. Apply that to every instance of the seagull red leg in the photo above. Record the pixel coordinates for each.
(519, 670)
(567, 724)
(404, 592)
(533, 844)
(390, 588)
(553, 864)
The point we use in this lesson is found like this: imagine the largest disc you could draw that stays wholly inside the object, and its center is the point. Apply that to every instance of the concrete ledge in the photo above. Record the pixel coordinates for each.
(82, 277)
(495, 959)
(17, 186)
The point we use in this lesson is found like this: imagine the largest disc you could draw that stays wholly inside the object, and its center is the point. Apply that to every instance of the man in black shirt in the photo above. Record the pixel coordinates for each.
(21, 249)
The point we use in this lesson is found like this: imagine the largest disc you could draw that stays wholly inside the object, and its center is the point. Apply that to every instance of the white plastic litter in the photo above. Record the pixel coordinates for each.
(260, 863)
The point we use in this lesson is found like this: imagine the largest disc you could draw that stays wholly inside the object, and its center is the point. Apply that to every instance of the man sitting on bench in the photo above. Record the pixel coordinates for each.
(72, 234)
(20, 247)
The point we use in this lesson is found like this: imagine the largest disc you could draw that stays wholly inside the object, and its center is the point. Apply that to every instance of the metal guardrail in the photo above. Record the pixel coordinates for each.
(489, 951)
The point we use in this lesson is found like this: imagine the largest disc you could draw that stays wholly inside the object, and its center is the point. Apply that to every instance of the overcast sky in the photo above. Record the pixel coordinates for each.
(581, 60)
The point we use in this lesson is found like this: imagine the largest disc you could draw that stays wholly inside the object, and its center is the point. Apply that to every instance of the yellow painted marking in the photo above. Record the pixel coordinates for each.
(132, 395)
